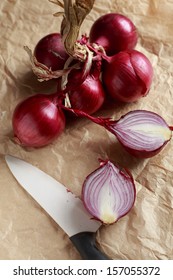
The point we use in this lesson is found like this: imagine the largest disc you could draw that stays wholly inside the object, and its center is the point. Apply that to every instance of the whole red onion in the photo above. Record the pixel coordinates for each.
(127, 76)
(86, 94)
(88, 97)
(114, 32)
(50, 51)
(37, 121)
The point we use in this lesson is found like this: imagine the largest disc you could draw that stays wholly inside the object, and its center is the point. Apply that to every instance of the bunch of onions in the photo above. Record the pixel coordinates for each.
(108, 192)
(127, 73)
(126, 76)
(142, 133)
(38, 120)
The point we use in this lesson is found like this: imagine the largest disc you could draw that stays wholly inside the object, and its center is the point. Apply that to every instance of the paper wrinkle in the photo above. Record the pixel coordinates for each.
(27, 232)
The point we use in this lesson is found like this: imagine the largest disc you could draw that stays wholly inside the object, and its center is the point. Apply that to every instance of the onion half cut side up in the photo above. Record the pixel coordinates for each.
(109, 192)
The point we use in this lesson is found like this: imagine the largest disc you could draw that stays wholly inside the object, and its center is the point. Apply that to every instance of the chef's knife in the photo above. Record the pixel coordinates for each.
(62, 205)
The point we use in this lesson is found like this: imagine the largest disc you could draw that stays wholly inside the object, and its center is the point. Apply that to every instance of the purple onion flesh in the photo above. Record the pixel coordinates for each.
(142, 133)
(109, 192)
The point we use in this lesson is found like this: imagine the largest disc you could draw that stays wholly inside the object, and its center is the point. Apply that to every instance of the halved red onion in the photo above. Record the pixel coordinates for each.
(142, 133)
(109, 192)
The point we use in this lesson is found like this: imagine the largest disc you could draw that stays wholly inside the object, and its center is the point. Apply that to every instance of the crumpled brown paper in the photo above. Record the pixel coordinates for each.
(27, 232)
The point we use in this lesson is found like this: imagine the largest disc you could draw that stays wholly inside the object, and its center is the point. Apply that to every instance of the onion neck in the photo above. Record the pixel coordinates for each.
(74, 14)
(57, 98)
(105, 122)
(107, 58)
(96, 69)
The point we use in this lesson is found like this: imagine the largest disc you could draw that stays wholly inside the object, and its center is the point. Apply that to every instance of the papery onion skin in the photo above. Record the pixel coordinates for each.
(37, 121)
(44, 51)
(108, 193)
(114, 127)
(127, 76)
(114, 32)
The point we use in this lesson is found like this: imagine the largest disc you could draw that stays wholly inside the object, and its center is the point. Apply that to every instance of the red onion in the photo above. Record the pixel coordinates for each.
(142, 133)
(108, 193)
(114, 32)
(50, 51)
(89, 95)
(37, 121)
(127, 76)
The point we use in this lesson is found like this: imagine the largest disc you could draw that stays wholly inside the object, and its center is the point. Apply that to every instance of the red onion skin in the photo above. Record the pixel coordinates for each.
(114, 32)
(127, 76)
(103, 162)
(85, 92)
(88, 96)
(44, 51)
(143, 153)
(37, 121)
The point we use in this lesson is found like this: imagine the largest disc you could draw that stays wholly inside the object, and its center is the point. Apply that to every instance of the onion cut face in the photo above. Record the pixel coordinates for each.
(108, 193)
(142, 133)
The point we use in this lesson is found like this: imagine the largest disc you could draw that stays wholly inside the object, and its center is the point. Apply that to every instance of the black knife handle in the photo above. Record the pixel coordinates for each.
(85, 243)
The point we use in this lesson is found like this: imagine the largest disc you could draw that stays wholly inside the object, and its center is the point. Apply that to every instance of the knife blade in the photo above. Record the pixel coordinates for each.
(62, 205)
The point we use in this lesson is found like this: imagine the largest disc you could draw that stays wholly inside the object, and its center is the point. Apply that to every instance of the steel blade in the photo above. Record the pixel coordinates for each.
(63, 206)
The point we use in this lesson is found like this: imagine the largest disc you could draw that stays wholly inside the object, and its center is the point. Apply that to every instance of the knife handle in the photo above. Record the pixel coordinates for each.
(85, 243)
